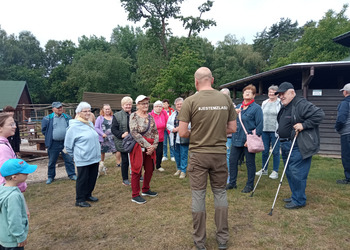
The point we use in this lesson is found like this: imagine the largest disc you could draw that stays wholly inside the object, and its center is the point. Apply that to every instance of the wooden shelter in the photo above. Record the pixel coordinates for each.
(96, 100)
(14, 93)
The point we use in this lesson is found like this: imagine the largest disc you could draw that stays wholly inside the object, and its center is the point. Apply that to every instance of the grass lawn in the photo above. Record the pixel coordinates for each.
(165, 222)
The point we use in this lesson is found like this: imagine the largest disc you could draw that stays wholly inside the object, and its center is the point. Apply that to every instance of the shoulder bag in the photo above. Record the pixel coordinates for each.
(129, 141)
(254, 142)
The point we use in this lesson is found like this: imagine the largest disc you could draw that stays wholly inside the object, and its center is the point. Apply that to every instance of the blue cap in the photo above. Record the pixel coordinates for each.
(56, 104)
(16, 166)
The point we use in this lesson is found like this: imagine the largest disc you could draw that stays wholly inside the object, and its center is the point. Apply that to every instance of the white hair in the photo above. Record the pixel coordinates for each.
(179, 99)
(81, 106)
(225, 91)
(158, 103)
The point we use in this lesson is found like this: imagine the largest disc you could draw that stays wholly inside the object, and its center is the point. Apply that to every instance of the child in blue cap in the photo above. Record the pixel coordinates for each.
(13, 215)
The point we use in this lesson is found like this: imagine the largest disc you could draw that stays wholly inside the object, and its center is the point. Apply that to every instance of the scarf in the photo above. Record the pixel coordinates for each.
(247, 104)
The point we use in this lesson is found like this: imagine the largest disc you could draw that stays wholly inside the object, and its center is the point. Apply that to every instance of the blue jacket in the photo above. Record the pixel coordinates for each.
(342, 125)
(82, 143)
(47, 127)
(252, 118)
(13, 217)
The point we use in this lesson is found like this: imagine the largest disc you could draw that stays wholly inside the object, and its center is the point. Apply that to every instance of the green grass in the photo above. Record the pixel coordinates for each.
(165, 222)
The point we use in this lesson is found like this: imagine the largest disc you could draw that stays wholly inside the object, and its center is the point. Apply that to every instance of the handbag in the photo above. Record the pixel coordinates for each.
(129, 142)
(254, 142)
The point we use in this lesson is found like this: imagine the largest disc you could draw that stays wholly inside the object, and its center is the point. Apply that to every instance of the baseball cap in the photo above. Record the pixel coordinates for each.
(141, 98)
(346, 87)
(56, 104)
(284, 86)
(16, 166)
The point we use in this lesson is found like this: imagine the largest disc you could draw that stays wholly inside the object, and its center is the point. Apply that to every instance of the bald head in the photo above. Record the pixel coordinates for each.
(203, 78)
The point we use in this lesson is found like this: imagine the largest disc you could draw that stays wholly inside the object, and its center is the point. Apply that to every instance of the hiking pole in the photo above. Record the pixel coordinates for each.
(284, 170)
(266, 163)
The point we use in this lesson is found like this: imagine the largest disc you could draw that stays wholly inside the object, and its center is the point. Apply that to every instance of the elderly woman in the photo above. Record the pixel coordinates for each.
(143, 129)
(160, 117)
(180, 145)
(169, 110)
(103, 128)
(270, 108)
(120, 129)
(81, 142)
(252, 118)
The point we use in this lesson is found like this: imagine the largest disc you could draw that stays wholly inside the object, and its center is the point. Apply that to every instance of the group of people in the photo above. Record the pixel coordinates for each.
(206, 117)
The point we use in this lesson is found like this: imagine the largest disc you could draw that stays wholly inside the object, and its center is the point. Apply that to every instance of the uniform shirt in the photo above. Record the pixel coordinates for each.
(209, 111)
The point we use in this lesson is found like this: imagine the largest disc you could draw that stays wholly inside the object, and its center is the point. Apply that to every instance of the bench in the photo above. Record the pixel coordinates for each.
(34, 152)
(40, 143)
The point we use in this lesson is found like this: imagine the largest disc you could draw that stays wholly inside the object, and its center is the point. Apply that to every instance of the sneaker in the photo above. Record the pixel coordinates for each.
(343, 181)
(273, 175)
(263, 172)
(161, 169)
(126, 183)
(141, 178)
(164, 158)
(182, 175)
(247, 189)
(230, 186)
(172, 158)
(138, 200)
(73, 177)
(49, 180)
(177, 172)
(149, 193)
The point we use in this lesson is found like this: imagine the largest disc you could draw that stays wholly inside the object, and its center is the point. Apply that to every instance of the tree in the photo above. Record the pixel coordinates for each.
(156, 14)
(279, 41)
(97, 71)
(177, 79)
(317, 45)
(196, 24)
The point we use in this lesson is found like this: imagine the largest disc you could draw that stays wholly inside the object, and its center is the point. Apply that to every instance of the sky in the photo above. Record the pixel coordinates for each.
(71, 19)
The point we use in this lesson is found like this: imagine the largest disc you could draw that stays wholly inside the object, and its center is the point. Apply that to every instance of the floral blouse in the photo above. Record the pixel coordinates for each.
(139, 125)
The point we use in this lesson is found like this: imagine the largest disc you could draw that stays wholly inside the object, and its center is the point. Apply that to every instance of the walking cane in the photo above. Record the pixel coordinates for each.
(284, 170)
(266, 163)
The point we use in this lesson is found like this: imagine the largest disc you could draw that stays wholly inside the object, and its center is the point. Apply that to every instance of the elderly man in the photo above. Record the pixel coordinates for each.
(342, 125)
(54, 127)
(212, 116)
(297, 115)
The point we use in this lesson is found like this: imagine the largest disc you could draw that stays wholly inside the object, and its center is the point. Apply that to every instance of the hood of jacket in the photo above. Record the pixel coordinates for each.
(5, 192)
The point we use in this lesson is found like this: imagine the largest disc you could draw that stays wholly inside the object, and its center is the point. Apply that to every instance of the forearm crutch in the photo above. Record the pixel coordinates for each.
(266, 163)
(284, 170)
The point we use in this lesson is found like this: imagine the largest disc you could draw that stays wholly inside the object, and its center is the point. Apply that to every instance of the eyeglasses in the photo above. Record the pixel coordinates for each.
(86, 111)
(144, 104)
(12, 124)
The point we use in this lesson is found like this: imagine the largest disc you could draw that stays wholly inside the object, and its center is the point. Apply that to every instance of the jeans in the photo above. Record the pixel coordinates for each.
(228, 150)
(53, 152)
(345, 156)
(165, 145)
(181, 155)
(235, 155)
(269, 139)
(296, 172)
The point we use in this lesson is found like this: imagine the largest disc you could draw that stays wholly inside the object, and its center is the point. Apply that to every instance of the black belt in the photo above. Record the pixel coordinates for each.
(284, 139)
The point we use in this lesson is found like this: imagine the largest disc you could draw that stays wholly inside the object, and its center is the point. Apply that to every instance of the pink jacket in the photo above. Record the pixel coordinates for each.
(161, 121)
(6, 153)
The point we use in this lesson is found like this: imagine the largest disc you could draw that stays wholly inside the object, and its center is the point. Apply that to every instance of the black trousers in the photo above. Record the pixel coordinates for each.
(86, 181)
(125, 166)
(159, 154)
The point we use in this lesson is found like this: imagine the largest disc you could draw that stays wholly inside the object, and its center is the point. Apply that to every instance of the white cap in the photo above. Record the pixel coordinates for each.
(141, 98)
(346, 87)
